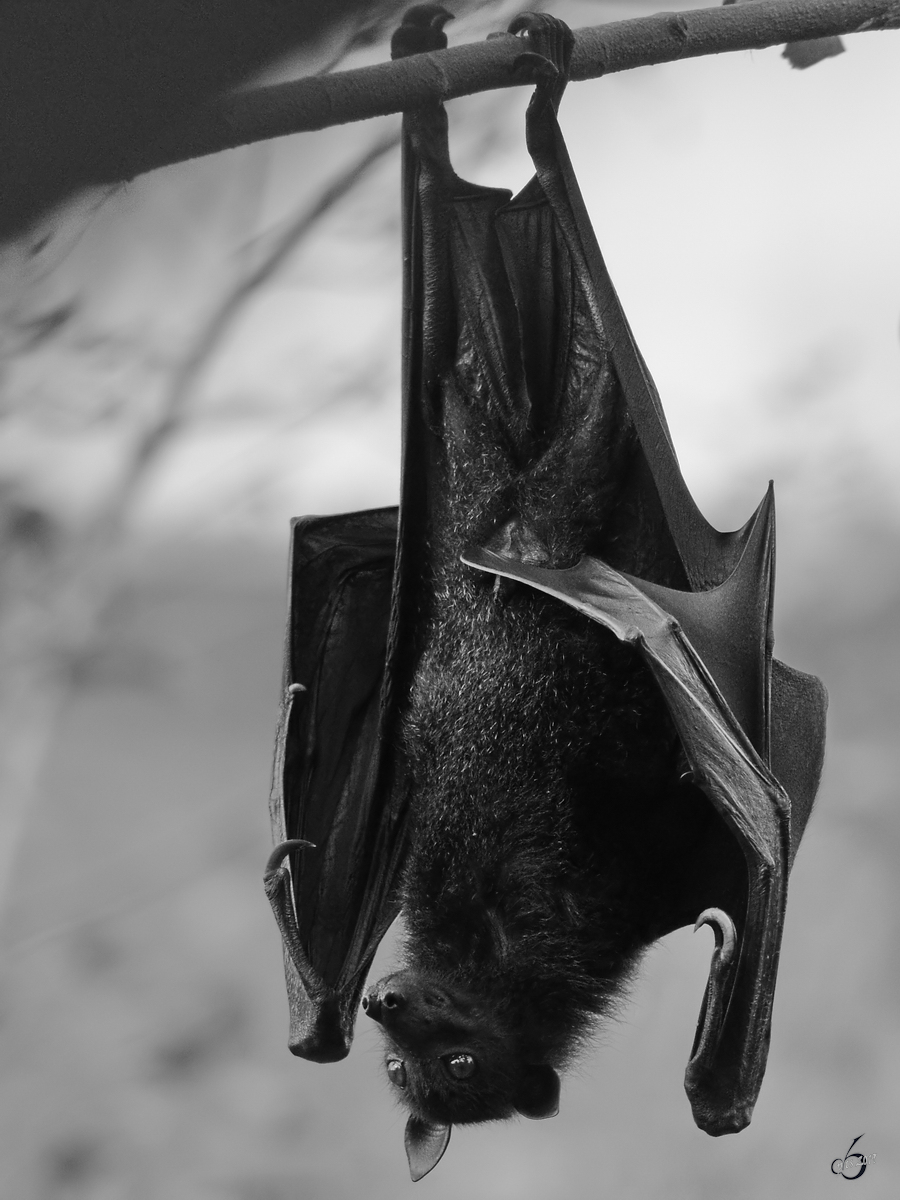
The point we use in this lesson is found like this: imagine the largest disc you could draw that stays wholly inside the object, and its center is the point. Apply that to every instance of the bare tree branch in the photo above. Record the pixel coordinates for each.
(320, 101)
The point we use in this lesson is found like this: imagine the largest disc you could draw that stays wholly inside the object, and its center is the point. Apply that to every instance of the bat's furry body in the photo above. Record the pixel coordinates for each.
(550, 813)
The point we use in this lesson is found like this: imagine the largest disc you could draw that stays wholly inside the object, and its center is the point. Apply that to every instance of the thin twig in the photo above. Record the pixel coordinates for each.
(320, 101)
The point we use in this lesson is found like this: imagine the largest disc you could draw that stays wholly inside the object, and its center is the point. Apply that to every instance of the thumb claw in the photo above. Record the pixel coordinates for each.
(723, 928)
(282, 850)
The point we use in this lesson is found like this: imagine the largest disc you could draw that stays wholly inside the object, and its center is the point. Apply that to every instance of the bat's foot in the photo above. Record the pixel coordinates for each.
(550, 43)
(421, 31)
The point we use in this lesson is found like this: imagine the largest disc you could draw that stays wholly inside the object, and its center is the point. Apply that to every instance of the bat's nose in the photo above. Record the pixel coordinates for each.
(377, 1007)
(371, 1006)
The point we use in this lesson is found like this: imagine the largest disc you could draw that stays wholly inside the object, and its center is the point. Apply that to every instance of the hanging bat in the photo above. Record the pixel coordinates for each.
(536, 710)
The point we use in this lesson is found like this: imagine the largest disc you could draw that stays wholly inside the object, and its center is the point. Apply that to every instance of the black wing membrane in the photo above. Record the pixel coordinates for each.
(334, 894)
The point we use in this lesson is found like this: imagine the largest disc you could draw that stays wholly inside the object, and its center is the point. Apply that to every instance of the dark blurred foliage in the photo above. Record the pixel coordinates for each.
(86, 84)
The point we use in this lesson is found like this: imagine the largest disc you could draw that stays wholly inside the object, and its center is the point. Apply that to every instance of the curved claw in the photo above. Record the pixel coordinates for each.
(701, 1074)
(281, 851)
(540, 69)
(723, 928)
(276, 881)
(550, 42)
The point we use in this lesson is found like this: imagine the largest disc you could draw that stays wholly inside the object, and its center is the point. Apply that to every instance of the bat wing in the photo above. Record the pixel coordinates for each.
(729, 1055)
(696, 604)
(332, 881)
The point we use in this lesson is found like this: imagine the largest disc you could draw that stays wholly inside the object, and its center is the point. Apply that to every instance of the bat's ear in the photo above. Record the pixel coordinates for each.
(425, 1146)
(538, 1096)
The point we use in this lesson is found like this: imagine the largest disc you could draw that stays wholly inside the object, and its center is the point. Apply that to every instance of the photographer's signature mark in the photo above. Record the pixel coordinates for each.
(852, 1166)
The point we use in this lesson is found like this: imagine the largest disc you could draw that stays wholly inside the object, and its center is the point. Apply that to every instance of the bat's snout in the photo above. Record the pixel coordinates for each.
(376, 1006)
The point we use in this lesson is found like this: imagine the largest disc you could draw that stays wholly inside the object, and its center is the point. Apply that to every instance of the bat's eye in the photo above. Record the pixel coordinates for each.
(460, 1066)
(396, 1072)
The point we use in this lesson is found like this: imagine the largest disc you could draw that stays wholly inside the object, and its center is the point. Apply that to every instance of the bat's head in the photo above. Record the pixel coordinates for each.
(450, 1060)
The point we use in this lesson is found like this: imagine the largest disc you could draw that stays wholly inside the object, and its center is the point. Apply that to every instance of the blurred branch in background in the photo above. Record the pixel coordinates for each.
(56, 579)
(210, 336)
